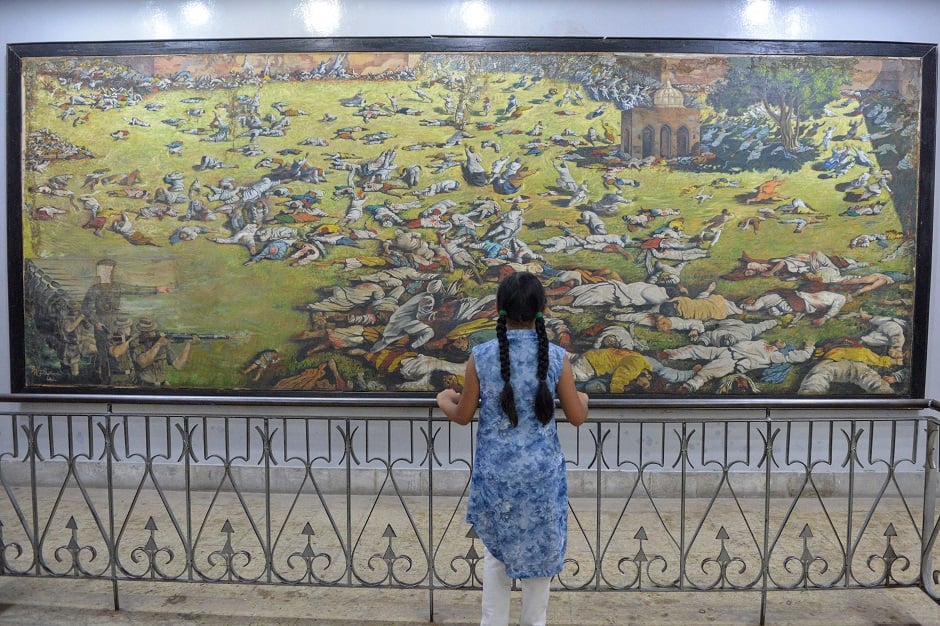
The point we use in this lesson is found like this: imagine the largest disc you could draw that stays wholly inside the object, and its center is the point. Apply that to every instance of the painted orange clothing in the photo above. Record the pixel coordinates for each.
(767, 190)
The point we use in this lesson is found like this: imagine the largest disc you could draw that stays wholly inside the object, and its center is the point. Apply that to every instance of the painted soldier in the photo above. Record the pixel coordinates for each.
(120, 360)
(101, 306)
(153, 354)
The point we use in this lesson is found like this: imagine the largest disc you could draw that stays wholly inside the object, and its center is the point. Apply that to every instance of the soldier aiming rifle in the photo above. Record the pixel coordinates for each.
(153, 353)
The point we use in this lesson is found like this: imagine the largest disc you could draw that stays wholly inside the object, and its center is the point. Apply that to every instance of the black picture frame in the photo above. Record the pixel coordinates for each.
(899, 78)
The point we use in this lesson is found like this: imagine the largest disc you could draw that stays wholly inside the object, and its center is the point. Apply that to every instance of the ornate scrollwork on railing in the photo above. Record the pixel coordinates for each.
(74, 551)
(4, 547)
(638, 562)
(717, 504)
(75, 556)
(227, 555)
(149, 552)
(641, 566)
(806, 562)
(308, 556)
(468, 561)
(391, 561)
(889, 559)
(724, 561)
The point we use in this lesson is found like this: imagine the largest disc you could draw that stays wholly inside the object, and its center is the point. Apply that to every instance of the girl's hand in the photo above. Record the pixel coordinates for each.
(448, 397)
(459, 406)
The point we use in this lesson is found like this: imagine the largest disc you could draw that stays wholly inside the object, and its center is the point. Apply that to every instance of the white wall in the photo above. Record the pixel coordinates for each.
(24, 21)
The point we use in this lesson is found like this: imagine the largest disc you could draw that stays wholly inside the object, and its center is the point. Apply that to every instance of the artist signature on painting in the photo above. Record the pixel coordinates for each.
(47, 375)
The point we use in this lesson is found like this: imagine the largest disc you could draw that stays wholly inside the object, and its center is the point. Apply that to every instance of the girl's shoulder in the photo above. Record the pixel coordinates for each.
(556, 353)
(483, 348)
(555, 348)
(487, 347)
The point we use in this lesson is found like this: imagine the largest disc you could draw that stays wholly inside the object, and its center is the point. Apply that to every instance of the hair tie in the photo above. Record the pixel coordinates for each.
(503, 313)
(539, 315)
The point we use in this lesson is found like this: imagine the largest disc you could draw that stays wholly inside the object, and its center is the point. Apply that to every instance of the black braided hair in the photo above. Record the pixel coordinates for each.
(544, 401)
(507, 398)
(521, 298)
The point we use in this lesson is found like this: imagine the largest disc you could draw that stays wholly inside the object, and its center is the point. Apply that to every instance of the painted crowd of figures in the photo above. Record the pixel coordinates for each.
(526, 170)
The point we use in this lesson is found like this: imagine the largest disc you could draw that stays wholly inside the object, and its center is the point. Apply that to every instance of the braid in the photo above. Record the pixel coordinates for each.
(507, 399)
(544, 401)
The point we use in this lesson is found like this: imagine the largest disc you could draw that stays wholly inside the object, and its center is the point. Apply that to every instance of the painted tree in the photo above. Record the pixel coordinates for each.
(791, 90)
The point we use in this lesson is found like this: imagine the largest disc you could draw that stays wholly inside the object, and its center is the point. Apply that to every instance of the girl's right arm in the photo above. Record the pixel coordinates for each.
(460, 407)
(573, 402)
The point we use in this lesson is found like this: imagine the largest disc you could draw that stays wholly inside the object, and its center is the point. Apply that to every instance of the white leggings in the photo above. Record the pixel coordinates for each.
(496, 588)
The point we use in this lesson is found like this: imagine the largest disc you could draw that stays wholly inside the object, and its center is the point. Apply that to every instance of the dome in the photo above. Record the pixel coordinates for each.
(668, 96)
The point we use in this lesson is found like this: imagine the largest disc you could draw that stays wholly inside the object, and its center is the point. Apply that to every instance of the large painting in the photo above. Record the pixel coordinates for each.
(324, 217)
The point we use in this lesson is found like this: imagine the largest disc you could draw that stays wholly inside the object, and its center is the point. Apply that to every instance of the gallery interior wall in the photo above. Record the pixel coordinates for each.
(108, 20)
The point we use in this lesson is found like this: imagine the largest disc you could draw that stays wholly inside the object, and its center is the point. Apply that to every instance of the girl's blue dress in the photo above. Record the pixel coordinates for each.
(518, 501)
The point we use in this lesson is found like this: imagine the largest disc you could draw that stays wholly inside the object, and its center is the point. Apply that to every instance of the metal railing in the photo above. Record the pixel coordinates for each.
(741, 497)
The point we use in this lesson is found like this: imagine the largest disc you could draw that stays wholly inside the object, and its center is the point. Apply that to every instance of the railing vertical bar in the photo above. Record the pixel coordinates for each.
(112, 541)
(268, 449)
(3, 565)
(188, 454)
(768, 474)
(931, 486)
(684, 459)
(849, 543)
(598, 459)
(349, 538)
(431, 571)
(33, 489)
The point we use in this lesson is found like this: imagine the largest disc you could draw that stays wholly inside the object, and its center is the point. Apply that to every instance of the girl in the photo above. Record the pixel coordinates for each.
(518, 501)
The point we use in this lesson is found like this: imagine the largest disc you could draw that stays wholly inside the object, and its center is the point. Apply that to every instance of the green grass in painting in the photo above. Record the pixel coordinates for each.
(214, 292)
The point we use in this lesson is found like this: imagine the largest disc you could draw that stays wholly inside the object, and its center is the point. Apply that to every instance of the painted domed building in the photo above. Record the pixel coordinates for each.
(668, 129)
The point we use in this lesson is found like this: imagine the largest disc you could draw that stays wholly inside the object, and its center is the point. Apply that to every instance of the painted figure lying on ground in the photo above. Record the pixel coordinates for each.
(688, 241)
